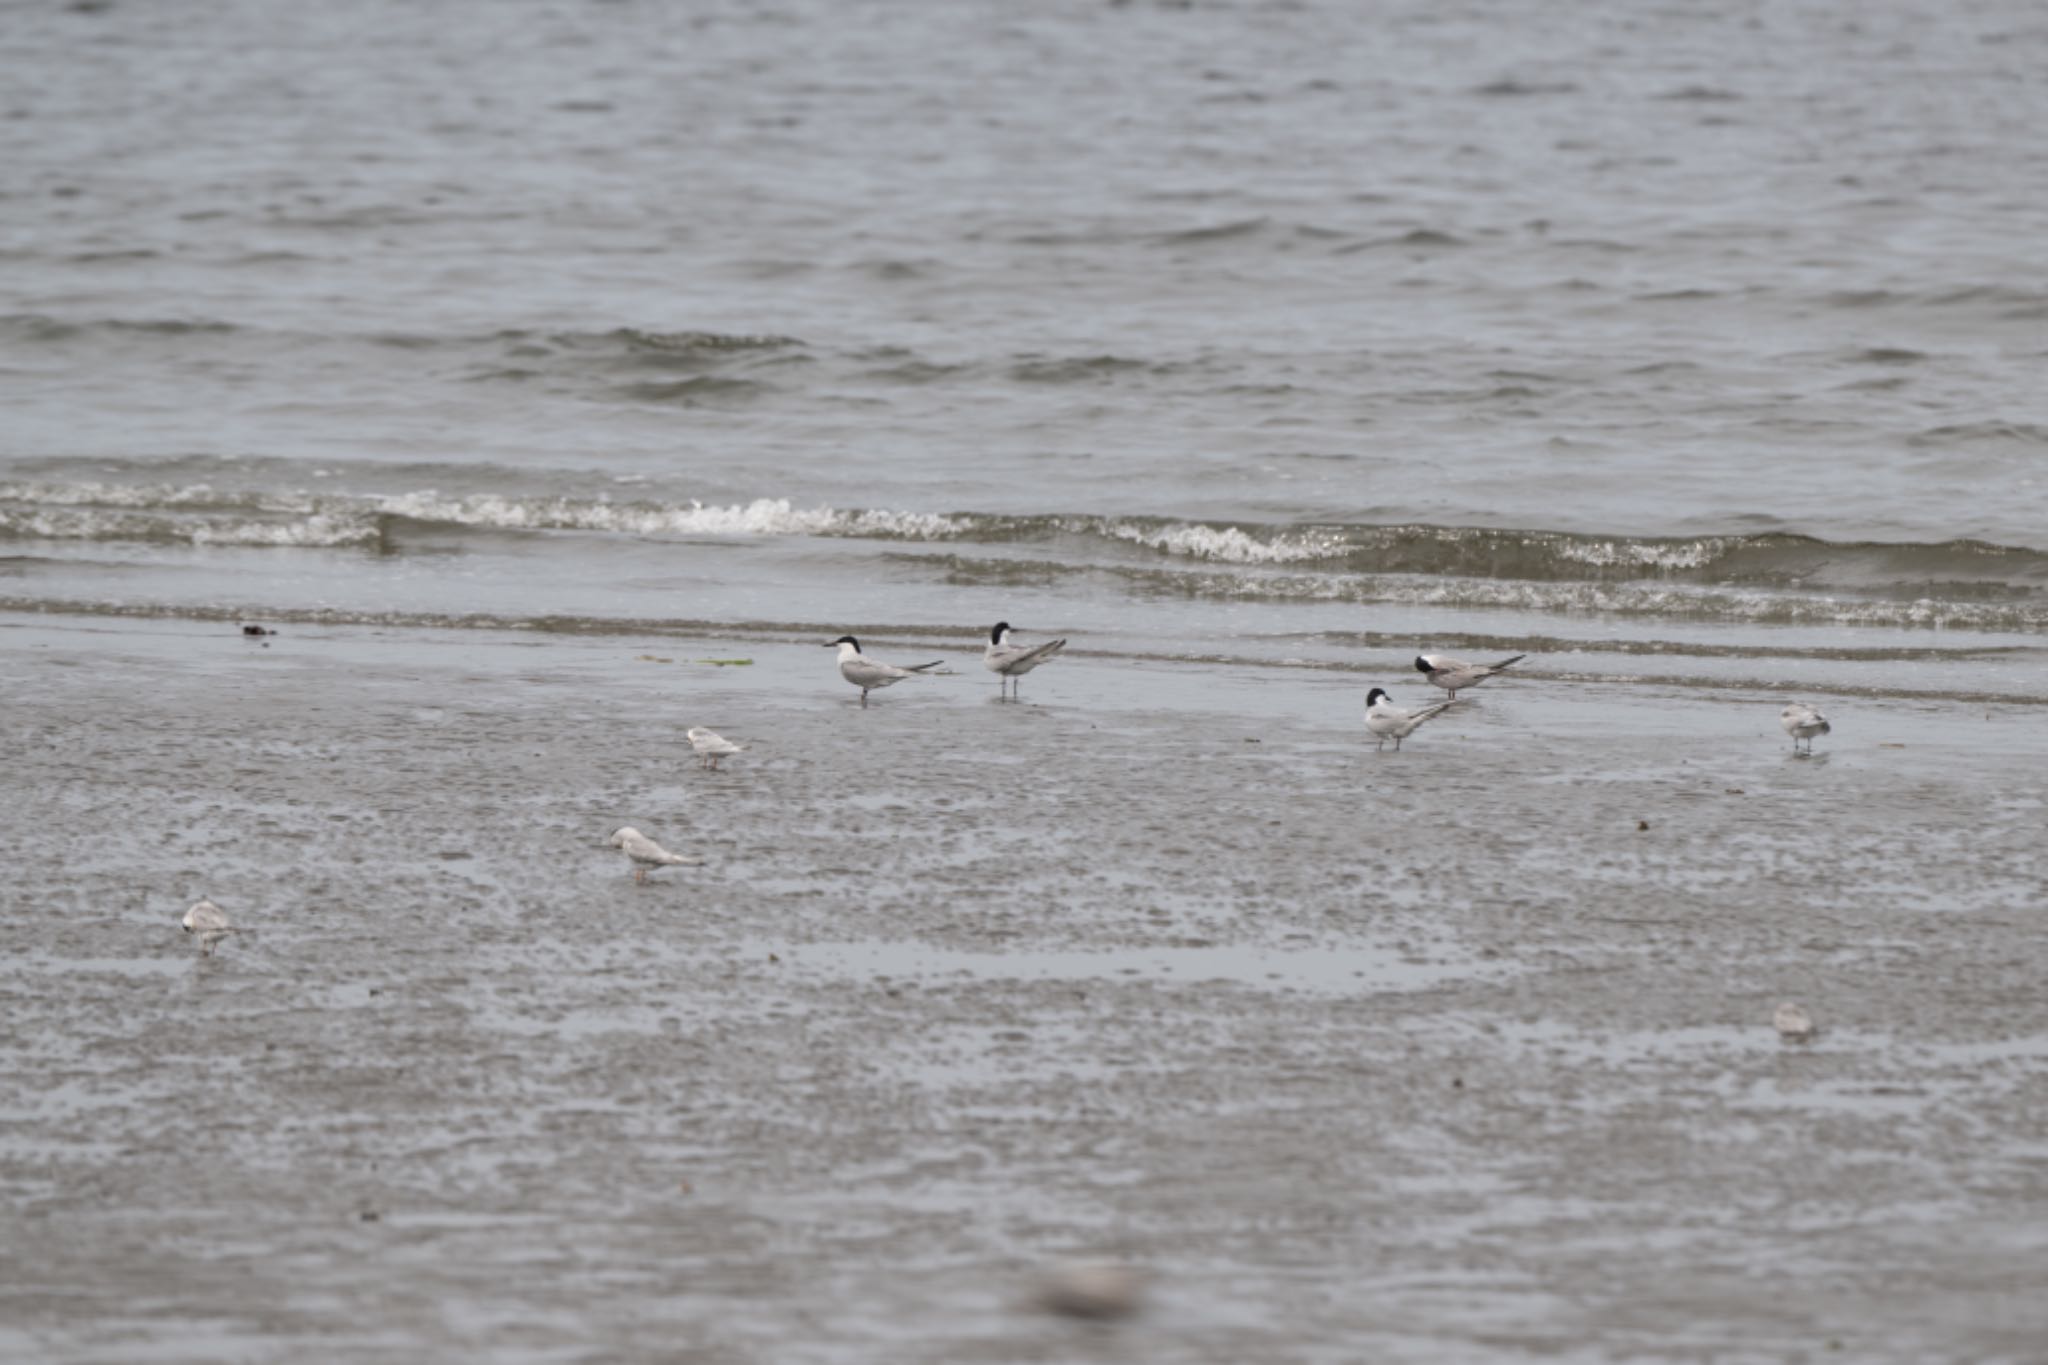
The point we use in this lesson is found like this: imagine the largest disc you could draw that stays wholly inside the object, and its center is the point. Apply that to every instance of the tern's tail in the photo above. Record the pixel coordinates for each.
(919, 668)
(1505, 664)
(1423, 713)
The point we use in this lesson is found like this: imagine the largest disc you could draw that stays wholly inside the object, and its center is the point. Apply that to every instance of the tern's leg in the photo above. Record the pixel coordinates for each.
(863, 697)
(640, 876)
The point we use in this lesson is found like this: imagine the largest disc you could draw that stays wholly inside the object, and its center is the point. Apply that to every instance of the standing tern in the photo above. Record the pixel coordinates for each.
(1454, 675)
(208, 921)
(1803, 722)
(868, 674)
(711, 746)
(1011, 662)
(1387, 721)
(647, 855)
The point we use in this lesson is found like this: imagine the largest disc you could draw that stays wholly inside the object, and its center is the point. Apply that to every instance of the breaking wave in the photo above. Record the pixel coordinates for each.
(1951, 582)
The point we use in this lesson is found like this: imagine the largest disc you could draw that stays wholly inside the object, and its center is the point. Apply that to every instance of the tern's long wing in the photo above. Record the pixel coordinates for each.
(868, 673)
(1015, 659)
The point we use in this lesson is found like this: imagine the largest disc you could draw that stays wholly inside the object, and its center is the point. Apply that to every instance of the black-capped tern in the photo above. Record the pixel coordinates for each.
(1010, 662)
(1387, 721)
(868, 674)
(1455, 675)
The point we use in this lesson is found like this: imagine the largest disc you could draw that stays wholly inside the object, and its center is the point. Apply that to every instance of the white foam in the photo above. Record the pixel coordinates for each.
(92, 523)
(42, 494)
(1228, 544)
(1607, 554)
(761, 517)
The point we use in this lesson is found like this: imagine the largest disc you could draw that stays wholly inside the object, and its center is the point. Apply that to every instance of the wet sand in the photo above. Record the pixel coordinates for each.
(1429, 1056)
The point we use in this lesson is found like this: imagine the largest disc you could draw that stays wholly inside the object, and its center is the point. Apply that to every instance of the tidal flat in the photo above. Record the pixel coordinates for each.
(1461, 1053)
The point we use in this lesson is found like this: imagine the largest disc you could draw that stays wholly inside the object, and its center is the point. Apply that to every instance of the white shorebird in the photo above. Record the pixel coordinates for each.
(1794, 1024)
(868, 674)
(1011, 662)
(1803, 722)
(647, 855)
(1455, 675)
(1387, 721)
(208, 921)
(711, 746)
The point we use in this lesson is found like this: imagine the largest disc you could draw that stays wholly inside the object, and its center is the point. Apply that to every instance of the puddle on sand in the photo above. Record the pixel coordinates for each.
(1331, 968)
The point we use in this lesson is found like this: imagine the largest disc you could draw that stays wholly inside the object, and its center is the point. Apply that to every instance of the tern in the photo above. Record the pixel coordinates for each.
(1803, 722)
(1794, 1024)
(1455, 675)
(868, 674)
(1387, 721)
(1011, 662)
(711, 746)
(208, 921)
(647, 855)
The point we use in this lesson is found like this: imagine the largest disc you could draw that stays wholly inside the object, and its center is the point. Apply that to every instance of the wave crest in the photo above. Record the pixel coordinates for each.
(1497, 560)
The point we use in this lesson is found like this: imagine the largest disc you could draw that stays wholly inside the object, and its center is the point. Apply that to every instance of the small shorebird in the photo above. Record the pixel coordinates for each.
(711, 746)
(1454, 675)
(1794, 1024)
(1011, 662)
(647, 855)
(1387, 721)
(1803, 722)
(868, 674)
(208, 921)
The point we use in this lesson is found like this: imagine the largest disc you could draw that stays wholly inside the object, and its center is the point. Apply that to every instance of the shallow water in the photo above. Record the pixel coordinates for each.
(555, 377)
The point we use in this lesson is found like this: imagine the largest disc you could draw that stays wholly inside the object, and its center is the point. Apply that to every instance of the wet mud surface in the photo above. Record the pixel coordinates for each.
(1430, 1056)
